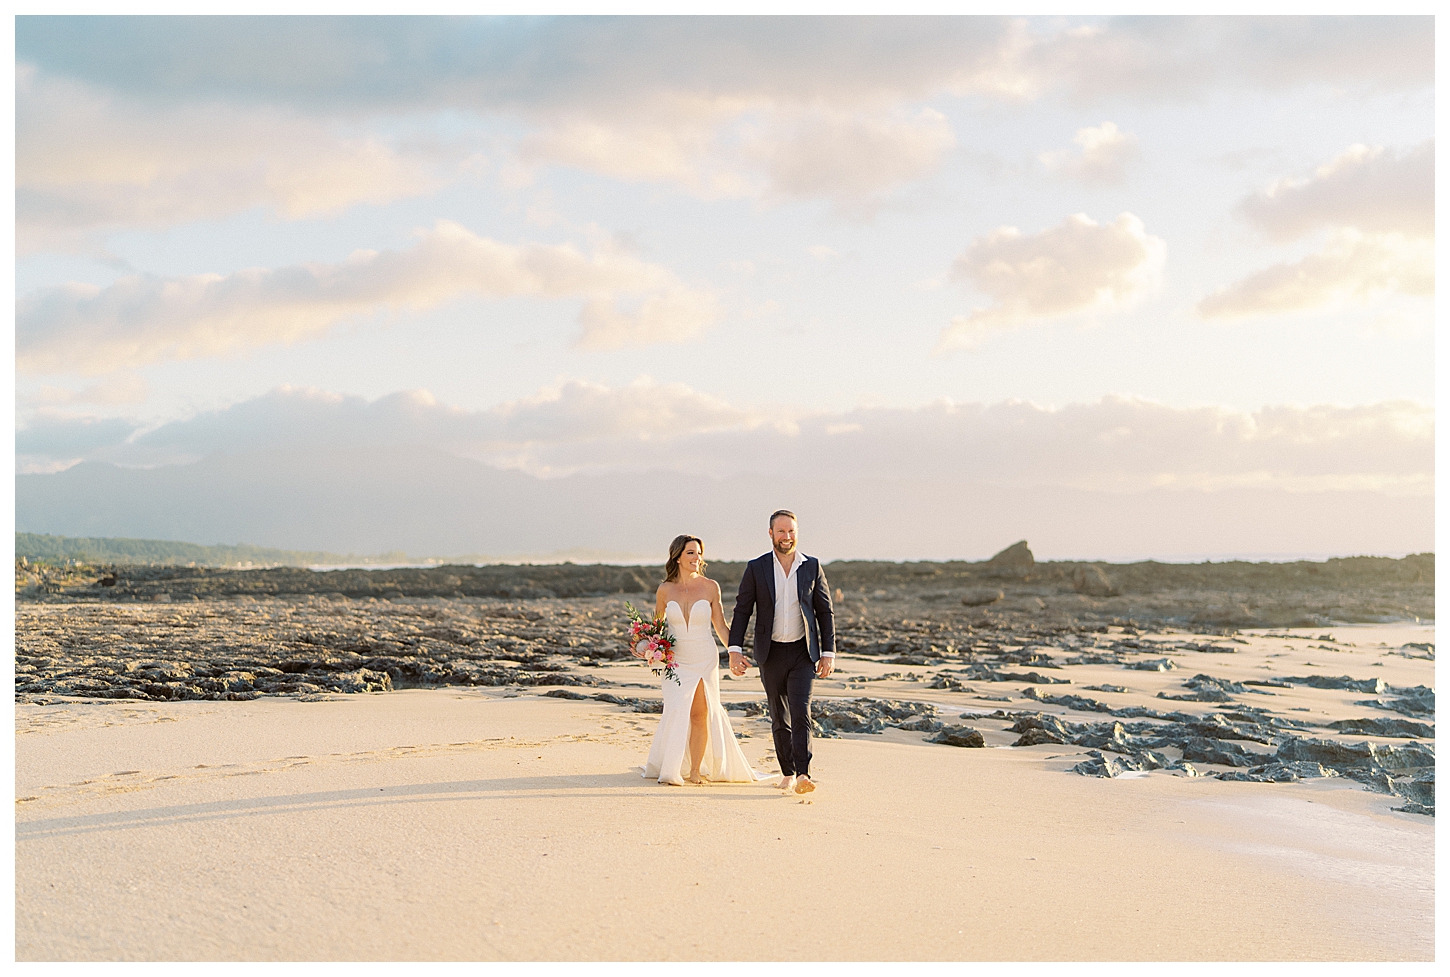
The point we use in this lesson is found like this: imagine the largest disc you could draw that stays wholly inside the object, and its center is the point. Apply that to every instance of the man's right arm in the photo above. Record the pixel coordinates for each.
(744, 606)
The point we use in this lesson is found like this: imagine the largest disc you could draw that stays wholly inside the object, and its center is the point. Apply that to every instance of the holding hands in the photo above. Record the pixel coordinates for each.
(738, 664)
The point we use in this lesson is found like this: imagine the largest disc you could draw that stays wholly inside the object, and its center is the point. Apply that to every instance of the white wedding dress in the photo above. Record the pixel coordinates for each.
(697, 661)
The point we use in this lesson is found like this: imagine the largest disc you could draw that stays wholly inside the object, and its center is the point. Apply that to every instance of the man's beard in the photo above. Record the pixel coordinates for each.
(785, 549)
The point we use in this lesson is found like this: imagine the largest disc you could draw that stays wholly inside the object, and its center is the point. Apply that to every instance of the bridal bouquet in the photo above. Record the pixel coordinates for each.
(651, 641)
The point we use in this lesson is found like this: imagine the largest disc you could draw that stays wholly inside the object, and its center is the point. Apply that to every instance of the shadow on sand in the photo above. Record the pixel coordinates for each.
(623, 784)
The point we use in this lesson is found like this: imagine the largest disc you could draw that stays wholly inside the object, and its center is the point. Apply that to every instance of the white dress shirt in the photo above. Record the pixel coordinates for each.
(789, 622)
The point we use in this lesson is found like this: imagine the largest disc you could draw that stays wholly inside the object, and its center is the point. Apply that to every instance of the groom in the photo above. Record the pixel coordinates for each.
(795, 641)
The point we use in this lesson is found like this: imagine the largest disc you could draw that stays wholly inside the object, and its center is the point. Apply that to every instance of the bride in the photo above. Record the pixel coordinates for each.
(694, 741)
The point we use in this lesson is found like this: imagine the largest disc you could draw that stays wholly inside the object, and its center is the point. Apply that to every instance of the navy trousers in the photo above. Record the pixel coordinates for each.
(787, 674)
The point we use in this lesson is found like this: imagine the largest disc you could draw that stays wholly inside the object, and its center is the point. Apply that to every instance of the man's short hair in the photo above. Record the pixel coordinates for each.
(777, 513)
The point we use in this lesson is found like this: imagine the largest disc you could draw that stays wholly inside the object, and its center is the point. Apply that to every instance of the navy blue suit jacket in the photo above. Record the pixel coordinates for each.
(757, 591)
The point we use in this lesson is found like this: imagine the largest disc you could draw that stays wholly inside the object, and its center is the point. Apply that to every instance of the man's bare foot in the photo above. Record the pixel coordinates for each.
(786, 782)
(803, 785)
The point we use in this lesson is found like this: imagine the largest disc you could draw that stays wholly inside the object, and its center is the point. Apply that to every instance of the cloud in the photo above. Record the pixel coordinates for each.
(647, 427)
(1378, 210)
(1353, 266)
(1114, 445)
(1157, 59)
(88, 161)
(113, 391)
(151, 122)
(573, 412)
(1104, 157)
(1366, 188)
(770, 151)
(681, 151)
(646, 412)
(590, 65)
(1077, 267)
(669, 316)
(143, 319)
(851, 160)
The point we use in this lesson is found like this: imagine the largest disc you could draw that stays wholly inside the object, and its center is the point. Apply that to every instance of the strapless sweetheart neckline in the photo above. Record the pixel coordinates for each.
(683, 615)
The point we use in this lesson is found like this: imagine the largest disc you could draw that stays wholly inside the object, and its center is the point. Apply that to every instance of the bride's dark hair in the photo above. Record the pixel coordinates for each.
(677, 550)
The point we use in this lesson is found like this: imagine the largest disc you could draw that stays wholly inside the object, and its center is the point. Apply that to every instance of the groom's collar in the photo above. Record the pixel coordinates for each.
(794, 564)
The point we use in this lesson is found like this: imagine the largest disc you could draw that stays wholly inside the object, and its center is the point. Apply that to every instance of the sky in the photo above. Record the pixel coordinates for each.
(1110, 257)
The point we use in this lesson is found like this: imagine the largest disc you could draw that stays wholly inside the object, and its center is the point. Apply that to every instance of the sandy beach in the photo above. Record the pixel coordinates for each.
(504, 824)
(1060, 388)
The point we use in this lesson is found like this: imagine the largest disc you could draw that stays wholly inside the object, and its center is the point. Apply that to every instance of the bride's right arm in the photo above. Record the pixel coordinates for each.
(660, 601)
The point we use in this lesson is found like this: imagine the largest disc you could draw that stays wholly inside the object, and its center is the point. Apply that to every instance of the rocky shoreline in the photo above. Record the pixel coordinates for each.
(1011, 587)
(916, 651)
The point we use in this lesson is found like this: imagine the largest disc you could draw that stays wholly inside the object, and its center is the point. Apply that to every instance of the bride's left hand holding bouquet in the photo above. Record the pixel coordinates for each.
(651, 641)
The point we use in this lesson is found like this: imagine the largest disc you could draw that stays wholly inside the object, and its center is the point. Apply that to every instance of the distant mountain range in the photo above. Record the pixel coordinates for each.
(323, 506)
(43, 548)
(89, 549)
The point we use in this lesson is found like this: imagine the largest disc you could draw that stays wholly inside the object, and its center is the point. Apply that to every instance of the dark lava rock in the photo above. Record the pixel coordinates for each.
(959, 736)
(1217, 726)
(912, 660)
(1204, 647)
(1104, 688)
(1419, 794)
(1092, 581)
(1099, 766)
(1279, 772)
(633, 703)
(1204, 750)
(921, 724)
(1260, 717)
(1027, 656)
(1093, 658)
(835, 716)
(1330, 753)
(1231, 615)
(981, 598)
(1035, 720)
(1153, 665)
(1411, 756)
(1017, 557)
(1201, 682)
(363, 680)
(1104, 766)
(1406, 771)
(1373, 685)
(1036, 736)
(1103, 736)
(1203, 695)
(1413, 701)
(1398, 728)
(1036, 678)
(1080, 703)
